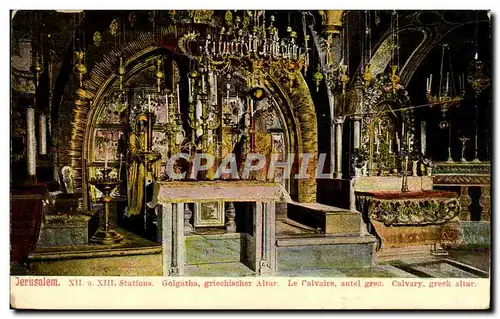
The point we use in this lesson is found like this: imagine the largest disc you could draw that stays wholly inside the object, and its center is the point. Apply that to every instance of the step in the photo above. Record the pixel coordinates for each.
(320, 251)
(329, 219)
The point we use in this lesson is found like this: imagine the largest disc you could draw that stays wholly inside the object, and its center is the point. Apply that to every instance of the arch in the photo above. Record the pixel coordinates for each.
(103, 74)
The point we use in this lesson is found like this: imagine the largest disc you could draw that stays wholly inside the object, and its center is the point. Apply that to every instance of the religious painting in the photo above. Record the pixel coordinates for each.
(106, 145)
(208, 214)
(278, 147)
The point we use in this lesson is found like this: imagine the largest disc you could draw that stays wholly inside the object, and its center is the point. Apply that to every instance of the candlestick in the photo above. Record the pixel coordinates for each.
(203, 83)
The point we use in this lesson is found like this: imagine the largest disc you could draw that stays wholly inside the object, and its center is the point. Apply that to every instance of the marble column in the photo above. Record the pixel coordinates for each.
(464, 201)
(339, 121)
(265, 237)
(331, 102)
(484, 202)
(166, 242)
(172, 223)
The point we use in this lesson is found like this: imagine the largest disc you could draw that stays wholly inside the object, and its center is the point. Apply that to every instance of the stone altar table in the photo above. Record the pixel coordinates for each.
(175, 219)
(409, 222)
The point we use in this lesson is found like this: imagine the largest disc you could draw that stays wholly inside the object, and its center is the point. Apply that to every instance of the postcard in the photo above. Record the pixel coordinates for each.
(250, 159)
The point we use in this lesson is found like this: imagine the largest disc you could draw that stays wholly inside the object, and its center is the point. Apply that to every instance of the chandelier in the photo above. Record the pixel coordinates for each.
(249, 35)
(446, 96)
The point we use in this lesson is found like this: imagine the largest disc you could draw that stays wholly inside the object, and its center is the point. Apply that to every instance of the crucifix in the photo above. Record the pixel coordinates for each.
(464, 140)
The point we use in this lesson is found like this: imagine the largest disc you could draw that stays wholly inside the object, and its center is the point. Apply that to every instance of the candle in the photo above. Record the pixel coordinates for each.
(447, 81)
(390, 146)
(30, 136)
(397, 142)
(403, 130)
(203, 83)
(105, 157)
(189, 85)
(42, 134)
(167, 108)
(120, 171)
(215, 90)
(378, 145)
(430, 83)
(149, 103)
(423, 142)
(251, 106)
(178, 100)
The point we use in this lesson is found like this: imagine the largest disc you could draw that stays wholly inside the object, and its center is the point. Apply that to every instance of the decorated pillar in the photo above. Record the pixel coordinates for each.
(338, 121)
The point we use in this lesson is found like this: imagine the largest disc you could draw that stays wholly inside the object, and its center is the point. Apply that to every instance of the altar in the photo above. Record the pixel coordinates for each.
(213, 205)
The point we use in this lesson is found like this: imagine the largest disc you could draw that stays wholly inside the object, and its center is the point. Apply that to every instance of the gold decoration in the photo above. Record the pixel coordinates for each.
(203, 16)
(113, 27)
(368, 76)
(318, 77)
(97, 38)
(332, 20)
(80, 68)
(121, 72)
(394, 78)
(37, 69)
(229, 18)
(344, 78)
(159, 74)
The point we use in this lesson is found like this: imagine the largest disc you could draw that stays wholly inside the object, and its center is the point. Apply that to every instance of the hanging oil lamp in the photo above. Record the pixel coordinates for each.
(37, 69)
(121, 72)
(159, 74)
(80, 68)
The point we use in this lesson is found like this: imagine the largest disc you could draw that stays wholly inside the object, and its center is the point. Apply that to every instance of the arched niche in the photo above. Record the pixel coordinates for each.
(294, 108)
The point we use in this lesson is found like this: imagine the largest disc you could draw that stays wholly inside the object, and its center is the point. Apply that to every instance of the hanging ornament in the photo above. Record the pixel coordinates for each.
(132, 19)
(80, 68)
(151, 16)
(97, 38)
(113, 27)
(394, 78)
(368, 76)
(121, 72)
(37, 69)
(318, 77)
(159, 74)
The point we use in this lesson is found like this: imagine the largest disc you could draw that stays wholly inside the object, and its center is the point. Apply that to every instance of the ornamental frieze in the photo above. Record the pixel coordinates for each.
(413, 212)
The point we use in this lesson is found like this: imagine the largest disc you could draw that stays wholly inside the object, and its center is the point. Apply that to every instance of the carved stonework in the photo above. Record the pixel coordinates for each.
(412, 211)
(231, 214)
(464, 201)
(461, 180)
(484, 201)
